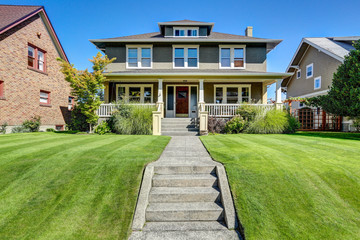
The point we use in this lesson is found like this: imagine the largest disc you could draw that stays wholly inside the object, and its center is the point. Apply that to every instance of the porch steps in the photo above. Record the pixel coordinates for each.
(179, 127)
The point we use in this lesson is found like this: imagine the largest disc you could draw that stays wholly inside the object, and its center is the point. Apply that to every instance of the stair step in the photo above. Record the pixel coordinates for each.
(187, 125)
(192, 211)
(179, 129)
(174, 133)
(184, 180)
(185, 226)
(184, 169)
(184, 194)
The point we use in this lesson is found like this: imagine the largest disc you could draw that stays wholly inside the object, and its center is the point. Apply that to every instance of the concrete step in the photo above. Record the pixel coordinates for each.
(184, 194)
(177, 119)
(174, 133)
(184, 226)
(189, 211)
(187, 125)
(184, 180)
(184, 169)
(179, 129)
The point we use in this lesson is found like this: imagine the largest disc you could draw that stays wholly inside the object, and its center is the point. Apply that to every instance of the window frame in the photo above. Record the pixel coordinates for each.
(224, 92)
(142, 90)
(186, 31)
(139, 56)
(186, 58)
(297, 74)
(2, 91)
(315, 79)
(48, 103)
(71, 107)
(312, 71)
(232, 56)
(36, 58)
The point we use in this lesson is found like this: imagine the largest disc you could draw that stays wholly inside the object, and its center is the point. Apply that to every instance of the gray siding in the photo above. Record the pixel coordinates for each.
(168, 31)
(203, 31)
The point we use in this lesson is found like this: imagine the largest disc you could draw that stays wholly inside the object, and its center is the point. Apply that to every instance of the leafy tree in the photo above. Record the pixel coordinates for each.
(86, 85)
(343, 98)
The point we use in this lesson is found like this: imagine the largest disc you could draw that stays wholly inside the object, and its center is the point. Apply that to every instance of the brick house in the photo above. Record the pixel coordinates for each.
(31, 83)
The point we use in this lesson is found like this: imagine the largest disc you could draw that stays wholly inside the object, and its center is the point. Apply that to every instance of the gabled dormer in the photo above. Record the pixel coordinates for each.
(185, 28)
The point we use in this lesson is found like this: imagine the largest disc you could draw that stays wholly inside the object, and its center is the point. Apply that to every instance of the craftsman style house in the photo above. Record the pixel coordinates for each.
(189, 70)
(31, 83)
(313, 65)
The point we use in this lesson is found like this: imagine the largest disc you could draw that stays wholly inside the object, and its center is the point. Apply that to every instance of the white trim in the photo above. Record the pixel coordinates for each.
(312, 70)
(317, 78)
(141, 86)
(189, 89)
(232, 47)
(298, 72)
(139, 47)
(185, 31)
(312, 94)
(224, 91)
(185, 47)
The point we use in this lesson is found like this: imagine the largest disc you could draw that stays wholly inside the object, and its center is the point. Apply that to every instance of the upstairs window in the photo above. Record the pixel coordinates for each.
(317, 83)
(232, 57)
(70, 103)
(36, 58)
(139, 57)
(298, 74)
(309, 70)
(44, 97)
(186, 32)
(186, 57)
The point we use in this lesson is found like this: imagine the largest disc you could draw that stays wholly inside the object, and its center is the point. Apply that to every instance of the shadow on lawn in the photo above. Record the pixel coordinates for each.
(339, 135)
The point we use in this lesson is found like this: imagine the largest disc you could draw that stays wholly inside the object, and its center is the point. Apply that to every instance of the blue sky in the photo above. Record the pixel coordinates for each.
(76, 21)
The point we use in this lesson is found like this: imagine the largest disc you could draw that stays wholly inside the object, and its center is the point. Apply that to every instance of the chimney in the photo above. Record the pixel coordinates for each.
(249, 31)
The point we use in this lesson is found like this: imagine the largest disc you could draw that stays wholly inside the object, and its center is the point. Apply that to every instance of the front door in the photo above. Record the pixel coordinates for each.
(182, 101)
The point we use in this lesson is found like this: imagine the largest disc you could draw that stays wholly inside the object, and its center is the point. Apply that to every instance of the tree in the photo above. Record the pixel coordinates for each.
(86, 85)
(343, 98)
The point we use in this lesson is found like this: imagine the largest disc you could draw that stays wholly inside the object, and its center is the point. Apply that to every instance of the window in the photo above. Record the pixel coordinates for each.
(309, 70)
(59, 127)
(134, 93)
(232, 94)
(317, 83)
(70, 103)
(301, 104)
(232, 57)
(186, 32)
(36, 58)
(139, 56)
(2, 89)
(298, 74)
(186, 56)
(44, 97)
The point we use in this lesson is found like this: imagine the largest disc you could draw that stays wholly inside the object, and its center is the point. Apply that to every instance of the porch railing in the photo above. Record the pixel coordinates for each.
(106, 109)
(229, 110)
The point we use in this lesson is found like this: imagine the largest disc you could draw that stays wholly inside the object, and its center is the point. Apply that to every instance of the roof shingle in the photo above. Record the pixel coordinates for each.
(10, 14)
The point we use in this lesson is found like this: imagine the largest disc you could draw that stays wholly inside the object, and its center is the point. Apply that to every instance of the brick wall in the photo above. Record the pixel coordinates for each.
(22, 85)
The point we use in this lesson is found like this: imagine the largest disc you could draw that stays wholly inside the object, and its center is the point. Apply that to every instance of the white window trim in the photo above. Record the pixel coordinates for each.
(232, 47)
(239, 86)
(186, 47)
(297, 72)
(185, 31)
(317, 78)
(142, 87)
(139, 47)
(312, 72)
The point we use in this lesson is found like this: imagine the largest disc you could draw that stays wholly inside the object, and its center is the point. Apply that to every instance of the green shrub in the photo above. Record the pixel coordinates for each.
(247, 112)
(235, 125)
(132, 120)
(50, 130)
(32, 124)
(216, 125)
(102, 128)
(78, 121)
(20, 129)
(356, 124)
(268, 121)
(293, 124)
(3, 128)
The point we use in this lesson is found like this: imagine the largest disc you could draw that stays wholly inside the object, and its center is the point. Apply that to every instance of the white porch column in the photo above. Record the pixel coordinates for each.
(201, 90)
(278, 101)
(160, 101)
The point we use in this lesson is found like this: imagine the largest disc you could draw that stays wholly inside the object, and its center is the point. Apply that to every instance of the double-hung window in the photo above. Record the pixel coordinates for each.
(134, 93)
(138, 56)
(232, 57)
(298, 74)
(186, 57)
(186, 32)
(44, 97)
(232, 94)
(317, 83)
(309, 70)
(2, 90)
(36, 58)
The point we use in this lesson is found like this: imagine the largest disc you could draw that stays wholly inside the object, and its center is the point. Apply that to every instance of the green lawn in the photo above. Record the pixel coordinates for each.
(62, 186)
(300, 186)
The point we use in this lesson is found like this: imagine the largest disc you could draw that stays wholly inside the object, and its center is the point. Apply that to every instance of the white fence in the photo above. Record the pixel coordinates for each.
(229, 110)
(106, 109)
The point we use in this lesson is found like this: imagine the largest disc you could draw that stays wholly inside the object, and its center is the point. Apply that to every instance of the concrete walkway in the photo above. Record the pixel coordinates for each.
(185, 195)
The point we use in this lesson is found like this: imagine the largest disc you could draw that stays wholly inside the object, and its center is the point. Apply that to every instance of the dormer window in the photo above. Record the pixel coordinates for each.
(186, 32)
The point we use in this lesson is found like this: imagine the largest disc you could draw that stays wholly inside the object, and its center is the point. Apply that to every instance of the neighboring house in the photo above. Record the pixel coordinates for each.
(313, 65)
(187, 68)
(31, 83)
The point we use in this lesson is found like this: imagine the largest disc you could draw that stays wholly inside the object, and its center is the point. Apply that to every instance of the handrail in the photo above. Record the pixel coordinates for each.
(106, 109)
(229, 110)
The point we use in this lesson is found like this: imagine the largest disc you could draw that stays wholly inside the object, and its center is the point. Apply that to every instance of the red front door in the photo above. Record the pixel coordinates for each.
(182, 100)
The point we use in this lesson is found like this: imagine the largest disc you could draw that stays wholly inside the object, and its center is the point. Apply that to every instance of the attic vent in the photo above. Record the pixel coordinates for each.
(249, 31)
